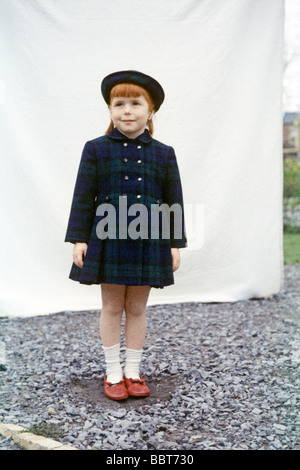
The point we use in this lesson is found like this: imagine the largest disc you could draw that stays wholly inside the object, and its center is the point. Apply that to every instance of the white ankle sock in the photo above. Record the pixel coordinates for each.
(132, 366)
(113, 367)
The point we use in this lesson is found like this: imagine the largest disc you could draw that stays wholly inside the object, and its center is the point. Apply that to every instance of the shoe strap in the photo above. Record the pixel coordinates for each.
(117, 383)
(139, 381)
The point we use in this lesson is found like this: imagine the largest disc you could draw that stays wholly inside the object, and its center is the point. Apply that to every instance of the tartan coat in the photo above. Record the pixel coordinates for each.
(141, 170)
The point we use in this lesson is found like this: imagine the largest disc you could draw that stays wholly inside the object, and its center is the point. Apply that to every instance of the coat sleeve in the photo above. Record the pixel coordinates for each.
(173, 195)
(84, 197)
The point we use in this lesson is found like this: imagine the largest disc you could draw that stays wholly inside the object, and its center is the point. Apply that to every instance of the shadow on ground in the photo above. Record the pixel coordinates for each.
(91, 391)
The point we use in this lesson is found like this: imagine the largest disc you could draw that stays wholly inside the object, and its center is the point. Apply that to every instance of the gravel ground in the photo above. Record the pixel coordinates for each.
(222, 376)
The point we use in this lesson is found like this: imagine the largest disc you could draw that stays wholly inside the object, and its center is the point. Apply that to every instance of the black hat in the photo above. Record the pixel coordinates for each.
(138, 78)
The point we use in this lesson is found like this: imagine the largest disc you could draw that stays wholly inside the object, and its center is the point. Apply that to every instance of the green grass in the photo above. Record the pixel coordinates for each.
(47, 430)
(291, 248)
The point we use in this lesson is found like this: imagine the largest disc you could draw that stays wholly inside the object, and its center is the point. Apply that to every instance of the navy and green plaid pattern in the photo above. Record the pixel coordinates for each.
(146, 171)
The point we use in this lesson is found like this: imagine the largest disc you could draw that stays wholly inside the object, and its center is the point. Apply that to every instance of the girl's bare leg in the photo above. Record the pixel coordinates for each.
(113, 297)
(135, 310)
(113, 303)
(135, 332)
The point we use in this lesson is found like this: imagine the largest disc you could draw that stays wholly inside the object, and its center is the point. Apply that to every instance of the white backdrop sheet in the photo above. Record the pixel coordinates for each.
(220, 63)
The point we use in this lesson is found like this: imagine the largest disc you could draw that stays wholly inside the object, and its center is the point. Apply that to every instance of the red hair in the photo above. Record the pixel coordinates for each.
(129, 90)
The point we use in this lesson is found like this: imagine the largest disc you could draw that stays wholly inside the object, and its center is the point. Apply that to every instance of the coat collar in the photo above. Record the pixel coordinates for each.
(115, 134)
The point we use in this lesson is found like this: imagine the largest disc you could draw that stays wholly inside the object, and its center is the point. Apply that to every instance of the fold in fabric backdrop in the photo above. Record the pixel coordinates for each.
(220, 63)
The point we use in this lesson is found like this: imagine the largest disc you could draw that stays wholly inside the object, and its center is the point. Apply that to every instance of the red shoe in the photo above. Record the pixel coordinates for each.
(137, 387)
(115, 391)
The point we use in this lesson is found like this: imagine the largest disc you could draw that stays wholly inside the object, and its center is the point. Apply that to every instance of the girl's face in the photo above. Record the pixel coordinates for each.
(130, 115)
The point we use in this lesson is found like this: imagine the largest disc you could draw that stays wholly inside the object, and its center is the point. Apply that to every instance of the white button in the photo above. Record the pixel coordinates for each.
(139, 179)
(139, 146)
(125, 144)
(138, 196)
(139, 161)
(126, 177)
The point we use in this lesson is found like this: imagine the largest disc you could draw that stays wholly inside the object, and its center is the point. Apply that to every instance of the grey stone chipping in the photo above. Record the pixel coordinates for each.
(221, 375)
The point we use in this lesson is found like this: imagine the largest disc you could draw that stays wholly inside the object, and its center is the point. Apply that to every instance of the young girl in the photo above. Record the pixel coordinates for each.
(123, 168)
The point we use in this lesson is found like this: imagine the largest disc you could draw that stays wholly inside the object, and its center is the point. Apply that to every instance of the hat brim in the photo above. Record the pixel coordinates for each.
(138, 78)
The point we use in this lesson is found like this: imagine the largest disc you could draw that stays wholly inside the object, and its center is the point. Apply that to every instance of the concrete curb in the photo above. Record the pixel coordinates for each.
(30, 441)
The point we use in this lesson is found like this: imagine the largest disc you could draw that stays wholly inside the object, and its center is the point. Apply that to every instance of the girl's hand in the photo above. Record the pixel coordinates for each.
(79, 253)
(175, 258)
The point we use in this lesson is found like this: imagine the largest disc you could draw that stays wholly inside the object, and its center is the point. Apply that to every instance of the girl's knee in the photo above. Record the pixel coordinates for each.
(136, 300)
(134, 309)
(113, 299)
(113, 308)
